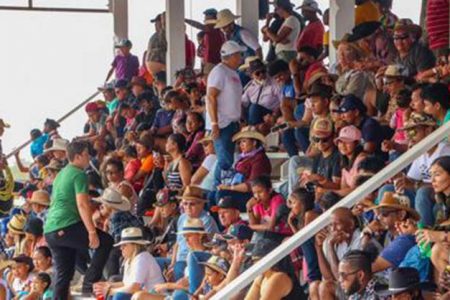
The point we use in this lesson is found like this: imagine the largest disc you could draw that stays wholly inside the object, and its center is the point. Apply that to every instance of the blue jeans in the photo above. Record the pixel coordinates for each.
(196, 271)
(309, 252)
(121, 296)
(241, 198)
(224, 148)
(291, 137)
(256, 114)
(178, 269)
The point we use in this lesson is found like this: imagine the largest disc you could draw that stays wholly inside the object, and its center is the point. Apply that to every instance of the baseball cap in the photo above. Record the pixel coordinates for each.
(105, 87)
(91, 107)
(322, 128)
(124, 43)
(363, 30)
(217, 241)
(238, 231)
(231, 47)
(210, 12)
(228, 202)
(310, 5)
(157, 18)
(165, 196)
(349, 134)
(351, 102)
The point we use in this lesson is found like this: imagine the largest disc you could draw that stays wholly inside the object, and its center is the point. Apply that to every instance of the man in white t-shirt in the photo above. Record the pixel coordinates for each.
(417, 128)
(223, 104)
(286, 36)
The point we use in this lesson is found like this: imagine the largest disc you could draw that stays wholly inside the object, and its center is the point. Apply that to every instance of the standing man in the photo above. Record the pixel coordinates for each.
(69, 229)
(223, 104)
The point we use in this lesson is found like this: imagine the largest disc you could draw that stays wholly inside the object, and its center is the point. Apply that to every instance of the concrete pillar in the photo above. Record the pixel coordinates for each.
(342, 20)
(175, 28)
(249, 12)
(120, 15)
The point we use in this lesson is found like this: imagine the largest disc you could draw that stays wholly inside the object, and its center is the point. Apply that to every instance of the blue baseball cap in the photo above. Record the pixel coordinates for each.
(121, 84)
(351, 102)
(239, 232)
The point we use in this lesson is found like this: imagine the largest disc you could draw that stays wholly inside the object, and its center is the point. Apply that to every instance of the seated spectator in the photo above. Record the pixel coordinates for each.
(263, 207)
(21, 277)
(144, 147)
(40, 288)
(216, 269)
(228, 212)
(279, 282)
(301, 204)
(132, 165)
(96, 122)
(177, 168)
(251, 163)
(147, 111)
(58, 150)
(34, 235)
(40, 201)
(179, 102)
(116, 209)
(42, 260)
(435, 98)
(162, 125)
(204, 175)
(356, 279)
(331, 246)
(262, 95)
(15, 230)
(195, 127)
(140, 268)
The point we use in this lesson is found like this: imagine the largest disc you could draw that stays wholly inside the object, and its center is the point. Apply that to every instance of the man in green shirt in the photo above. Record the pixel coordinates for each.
(69, 229)
(437, 102)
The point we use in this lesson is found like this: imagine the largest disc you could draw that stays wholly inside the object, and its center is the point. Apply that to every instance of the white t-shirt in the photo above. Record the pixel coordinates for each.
(143, 270)
(293, 23)
(227, 81)
(209, 163)
(420, 168)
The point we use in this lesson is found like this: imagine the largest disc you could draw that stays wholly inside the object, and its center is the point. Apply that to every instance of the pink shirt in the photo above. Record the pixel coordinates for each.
(266, 214)
(397, 122)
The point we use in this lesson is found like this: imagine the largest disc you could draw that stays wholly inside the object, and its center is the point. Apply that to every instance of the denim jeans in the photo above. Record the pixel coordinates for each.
(310, 255)
(178, 269)
(256, 114)
(120, 296)
(298, 136)
(224, 148)
(65, 244)
(196, 271)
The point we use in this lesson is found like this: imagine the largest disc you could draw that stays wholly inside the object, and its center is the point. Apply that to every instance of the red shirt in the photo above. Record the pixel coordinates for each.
(312, 35)
(437, 23)
(212, 42)
(190, 52)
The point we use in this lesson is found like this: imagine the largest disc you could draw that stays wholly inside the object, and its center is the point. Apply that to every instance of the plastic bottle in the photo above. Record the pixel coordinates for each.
(425, 249)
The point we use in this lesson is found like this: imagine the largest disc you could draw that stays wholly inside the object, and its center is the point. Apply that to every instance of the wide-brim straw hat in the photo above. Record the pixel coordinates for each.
(249, 132)
(6, 264)
(206, 138)
(192, 192)
(247, 62)
(224, 18)
(217, 264)
(132, 235)
(390, 200)
(17, 223)
(192, 225)
(112, 198)
(41, 197)
(58, 145)
(408, 26)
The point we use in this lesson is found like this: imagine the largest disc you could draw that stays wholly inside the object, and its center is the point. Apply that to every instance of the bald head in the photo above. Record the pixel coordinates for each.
(342, 219)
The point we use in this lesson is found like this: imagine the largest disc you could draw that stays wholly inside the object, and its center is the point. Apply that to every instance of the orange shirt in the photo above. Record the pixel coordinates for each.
(147, 164)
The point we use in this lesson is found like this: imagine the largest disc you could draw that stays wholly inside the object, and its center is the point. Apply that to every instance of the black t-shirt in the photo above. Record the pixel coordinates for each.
(329, 166)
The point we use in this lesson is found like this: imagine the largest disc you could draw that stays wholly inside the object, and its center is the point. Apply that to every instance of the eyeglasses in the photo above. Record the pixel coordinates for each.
(400, 37)
(344, 275)
(318, 140)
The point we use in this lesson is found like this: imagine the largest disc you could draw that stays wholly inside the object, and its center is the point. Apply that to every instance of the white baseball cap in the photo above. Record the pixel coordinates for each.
(231, 47)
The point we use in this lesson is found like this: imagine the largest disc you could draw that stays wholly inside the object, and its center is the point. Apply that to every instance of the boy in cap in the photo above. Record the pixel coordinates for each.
(125, 64)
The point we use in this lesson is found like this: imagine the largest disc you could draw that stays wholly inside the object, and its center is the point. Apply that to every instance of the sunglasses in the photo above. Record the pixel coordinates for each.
(318, 140)
(386, 213)
(400, 37)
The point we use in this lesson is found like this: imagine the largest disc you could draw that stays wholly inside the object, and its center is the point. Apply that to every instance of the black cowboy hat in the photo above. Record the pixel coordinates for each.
(402, 280)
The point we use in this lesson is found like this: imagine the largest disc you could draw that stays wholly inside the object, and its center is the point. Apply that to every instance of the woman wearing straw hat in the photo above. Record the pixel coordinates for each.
(252, 162)
(141, 271)
(15, 229)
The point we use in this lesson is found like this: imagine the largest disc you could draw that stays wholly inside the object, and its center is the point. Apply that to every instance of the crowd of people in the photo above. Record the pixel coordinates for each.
(168, 193)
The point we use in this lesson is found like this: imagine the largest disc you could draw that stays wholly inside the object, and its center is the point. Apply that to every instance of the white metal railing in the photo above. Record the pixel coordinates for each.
(323, 220)
(68, 114)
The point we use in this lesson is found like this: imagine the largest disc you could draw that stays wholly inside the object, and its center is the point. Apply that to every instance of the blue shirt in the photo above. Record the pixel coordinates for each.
(288, 90)
(396, 251)
(37, 146)
(210, 227)
(163, 118)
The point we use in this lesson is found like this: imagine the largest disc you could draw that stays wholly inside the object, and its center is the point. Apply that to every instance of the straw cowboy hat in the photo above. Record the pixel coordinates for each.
(41, 197)
(249, 132)
(224, 18)
(192, 225)
(112, 198)
(206, 138)
(247, 62)
(58, 145)
(192, 192)
(217, 264)
(390, 200)
(132, 235)
(17, 223)
(6, 264)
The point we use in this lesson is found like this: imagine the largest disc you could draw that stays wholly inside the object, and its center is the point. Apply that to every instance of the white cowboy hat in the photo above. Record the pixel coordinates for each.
(112, 198)
(193, 225)
(132, 235)
(224, 18)
(58, 145)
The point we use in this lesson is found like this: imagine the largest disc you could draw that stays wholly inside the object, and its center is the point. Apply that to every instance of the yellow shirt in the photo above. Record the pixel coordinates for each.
(366, 12)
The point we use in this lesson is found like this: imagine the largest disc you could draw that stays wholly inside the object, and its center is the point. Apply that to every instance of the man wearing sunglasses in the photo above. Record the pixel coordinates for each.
(413, 55)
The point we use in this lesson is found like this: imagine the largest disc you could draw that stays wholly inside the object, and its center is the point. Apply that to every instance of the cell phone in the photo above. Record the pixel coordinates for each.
(279, 127)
